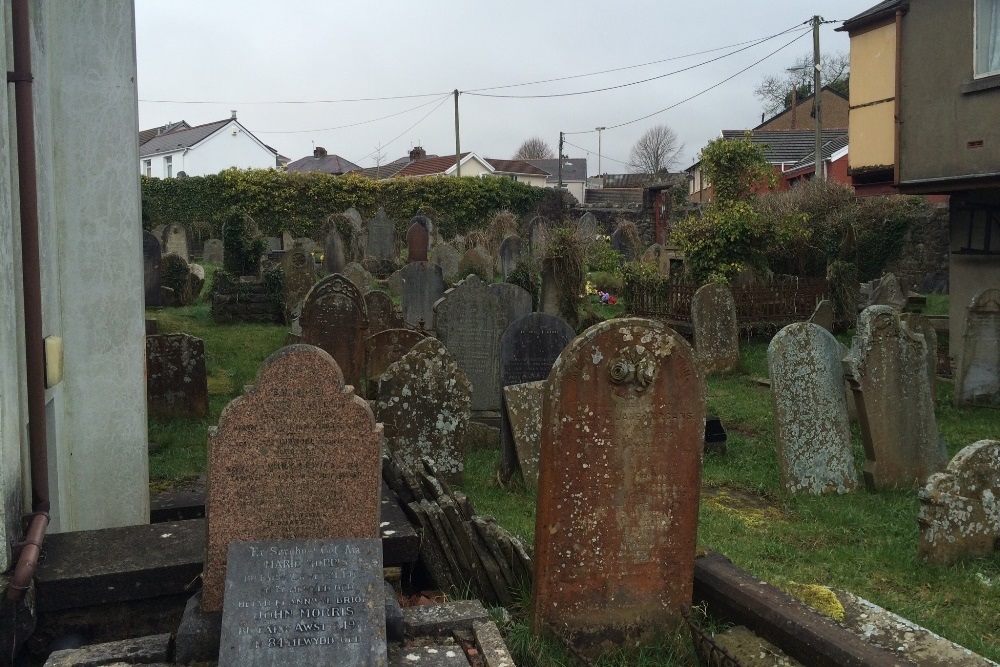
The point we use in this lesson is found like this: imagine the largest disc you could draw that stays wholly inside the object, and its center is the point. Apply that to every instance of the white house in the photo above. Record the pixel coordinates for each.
(203, 149)
(574, 175)
(419, 164)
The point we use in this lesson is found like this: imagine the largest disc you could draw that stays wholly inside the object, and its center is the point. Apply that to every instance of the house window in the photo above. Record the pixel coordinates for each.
(147, 167)
(168, 166)
(987, 37)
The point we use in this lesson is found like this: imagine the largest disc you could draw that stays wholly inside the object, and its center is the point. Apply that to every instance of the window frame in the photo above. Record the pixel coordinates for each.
(976, 5)
(168, 166)
(147, 168)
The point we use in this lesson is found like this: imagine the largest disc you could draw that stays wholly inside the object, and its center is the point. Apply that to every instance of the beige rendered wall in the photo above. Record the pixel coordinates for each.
(873, 89)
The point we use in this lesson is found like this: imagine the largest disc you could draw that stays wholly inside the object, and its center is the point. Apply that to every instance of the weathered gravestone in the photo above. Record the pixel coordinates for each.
(304, 602)
(385, 348)
(538, 237)
(716, 331)
(886, 291)
(617, 511)
(887, 373)
(418, 239)
(549, 301)
(299, 270)
(656, 256)
(920, 324)
(151, 270)
(515, 301)
(528, 348)
(811, 427)
(334, 318)
(522, 417)
(395, 283)
(158, 233)
(978, 381)
(357, 221)
(447, 257)
(298, 456)
(823, 315)
(175, 241)
(213, 252)
(287, 241)
(423, 401)
(620, 242)
(334, 253)
(176, 381)
(469, 322)
(358, 275)
(511, 254)
(586, 227)
(423, 285)
(477, 261)
(381, 237)
(960, 507)
(382, 313)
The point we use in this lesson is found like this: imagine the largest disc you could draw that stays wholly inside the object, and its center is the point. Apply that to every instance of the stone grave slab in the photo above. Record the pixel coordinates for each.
(357, 221)
(447, 257)
(511, 253)
(176, 380)
(213, 252)
(620, 243)
(334, 253)
(586, 227)
(175, 241)
(360, 276)
(287, 241)
(549, 301)
(384, 349)
(381, 237)
(382, 313)
(304, 602)
(151, 257)
(523, 419)
(300, 274)
(920, 324)
(476, 260)
(658, 257)
(716, 331)
(297, 456)
(978, 381)
(515, 301)
(422, 286)
(418, 239)
(538, 237)
(823, 315)
(334, 318)
(618, 488)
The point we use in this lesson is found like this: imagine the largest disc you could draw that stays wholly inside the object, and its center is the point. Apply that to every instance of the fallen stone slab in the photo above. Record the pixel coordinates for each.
(151, 650)
(442, 655)
(491, 645)
(751, 650)
(443, 618)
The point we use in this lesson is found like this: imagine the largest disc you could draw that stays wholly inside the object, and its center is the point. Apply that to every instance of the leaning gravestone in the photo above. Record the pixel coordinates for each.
(887, 372)
(304, 602)
(418, 239)
(334, 253)
(176, 381)
(469, 323)
(385, 348)
(382, 313)
(515, 301)
(960, 507)
(528, 348)
(277, 453)
(151, 270)
(978, 381)
(617, 511)
(175, 241)
(299, 270)
(447, 257)
(716, 331)
(523, 427)
(920, 324)
(422, 286)
(334, 318)
(823, 315)
(381, 237)
(213, 252)
(511, 254)
(549, 301)
(423, 401)
(358, 275)
(812, 430)
(356, 220)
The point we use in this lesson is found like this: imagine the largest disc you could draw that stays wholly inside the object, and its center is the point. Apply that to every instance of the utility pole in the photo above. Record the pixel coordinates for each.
(599, 148)
(560, 159)
(458, 144)
(817, 95)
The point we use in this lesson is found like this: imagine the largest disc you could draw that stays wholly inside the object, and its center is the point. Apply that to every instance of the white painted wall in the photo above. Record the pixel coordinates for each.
(232, 146)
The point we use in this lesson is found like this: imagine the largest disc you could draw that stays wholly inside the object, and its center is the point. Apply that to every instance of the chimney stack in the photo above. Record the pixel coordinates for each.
(319, 151)
(232, 113)
(417, 153)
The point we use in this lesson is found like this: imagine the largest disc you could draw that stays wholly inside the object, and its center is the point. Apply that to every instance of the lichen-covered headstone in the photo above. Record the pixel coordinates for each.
(511, 254)
(621, 243)
(586, 227)
(423, 401)
(299, 269)
(478, 261)
(447, 257)
(658, 257)
(619, 480)
(151, 258)
(823, 315)
(887, 371)
(920, 324)
(978, 381)
(382, 313)
(716, 330)
(334, 318)
(960, 507)
(418, 239)
(523, 420)
(422, 285)
(515, 301)
(175, 241)
(385, 348)
(381, 237)
(358, 275)
(297, 456)
(176, 380)
(887, 292)
(811, 426)
(538, 237)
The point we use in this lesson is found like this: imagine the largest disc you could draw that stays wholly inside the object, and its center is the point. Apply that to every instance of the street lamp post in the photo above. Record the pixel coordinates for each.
(599, 148)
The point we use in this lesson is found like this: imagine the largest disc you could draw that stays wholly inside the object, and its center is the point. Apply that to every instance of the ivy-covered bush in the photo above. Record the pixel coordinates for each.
(242, 244)
(602, 257)
(527, 278)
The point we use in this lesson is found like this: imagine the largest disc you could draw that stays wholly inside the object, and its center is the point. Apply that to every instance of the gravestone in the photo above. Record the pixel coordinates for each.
(299, 269)
(469, 323)
(477, 261)
(175, 241)
(586, 227)
(823, 315)
(619, 480)
(978, 381)
(549, 301)
(887, 372)
(382, 313)
(658, 257)
(887, 292)
(381, 237)
(356, 220)
(538, 237)
(213, 252)
(620, 243)
(920, 324)
(511, 254)
(447, 257)
(418, 239)
(176, 381)
(358, 275)
(423, 401)
(515, 302)
(287, 241)
(528, 348)
(334, 318)
(151, 270)
(334, 253)
(423, 285)
(273, 244)
(158, 233)
(297, 456)
(304, 602)
(385, 348)
(716, 331)
(812, 431)
(959, 508)
(523, 418)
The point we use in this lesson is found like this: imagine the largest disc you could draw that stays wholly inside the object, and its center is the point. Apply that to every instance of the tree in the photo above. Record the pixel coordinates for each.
(735, 167)
(534, 148)
(775, 90)
(657, 150)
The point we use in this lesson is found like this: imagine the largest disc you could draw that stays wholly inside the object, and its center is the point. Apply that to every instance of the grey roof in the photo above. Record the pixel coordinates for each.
(627, 180)
(179, 139)
(328, 164)
(573, 168)
(829, 148)
(786, 146)
(383, 171)
(146, 135)
(881, 10)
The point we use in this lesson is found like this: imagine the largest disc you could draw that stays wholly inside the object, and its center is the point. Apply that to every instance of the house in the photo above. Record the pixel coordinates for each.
(183, 150)
(933, 128)
(800, 115)
(418, 164)
(574, 174)
(835, 154)
(323, 162)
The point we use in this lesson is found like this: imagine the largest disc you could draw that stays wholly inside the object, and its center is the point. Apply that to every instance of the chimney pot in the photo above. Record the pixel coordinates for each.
(232, 113)
(417, 153)
(319, 151)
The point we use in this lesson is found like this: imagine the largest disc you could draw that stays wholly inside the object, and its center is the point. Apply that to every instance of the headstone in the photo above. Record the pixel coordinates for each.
(298, 456)
(273, 244)
(515, 301)
(716, 331)
(447, 257)
(304, 602)
(528, 348)
(175, 241)
(920, 324)
(213, 252)
(888, 292)
(469, 323)
(382, 313)
(618, 487)
(359, 276)
(418, 239)
(395, 283)
(356, 220)
(538, 237)
(381, 237)
(299, 269)
(334, 253)
(523, 420)
(823, 315)
(511, 254)
(423, 285)
(959, 508)
(151, 270)
(334, 318)
(176, 381)
(477, 261)
(658, 257)
(586, 227)
(158, 233)
(549, 301)
(978, 381)
(385, 348)
(812, 431)
(887, 373)
(620, 243)
(423, 401)
(287, 241)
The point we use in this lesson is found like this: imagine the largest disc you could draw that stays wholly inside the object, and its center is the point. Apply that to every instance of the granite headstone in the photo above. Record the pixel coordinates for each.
(978, 381)
(176, 380)
(382, 313)
(422, 286)
(334, 318)
(418, 239)
(716, 331)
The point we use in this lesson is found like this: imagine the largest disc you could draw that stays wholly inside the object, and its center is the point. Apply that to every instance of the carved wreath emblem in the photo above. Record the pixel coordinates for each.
(634, 365)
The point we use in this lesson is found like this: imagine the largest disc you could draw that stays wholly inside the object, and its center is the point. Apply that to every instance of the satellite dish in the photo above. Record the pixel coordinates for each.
(182, 174)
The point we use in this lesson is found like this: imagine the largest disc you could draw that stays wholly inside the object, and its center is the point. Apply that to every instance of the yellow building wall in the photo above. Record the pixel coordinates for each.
(873, 83)
(872, 136)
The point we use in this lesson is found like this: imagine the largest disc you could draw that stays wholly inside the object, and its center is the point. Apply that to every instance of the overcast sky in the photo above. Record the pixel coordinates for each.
(248, 54)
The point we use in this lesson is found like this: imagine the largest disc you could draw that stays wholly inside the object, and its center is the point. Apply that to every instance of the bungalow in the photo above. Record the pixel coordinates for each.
(321, 161)
(574, 174)
(419, 164)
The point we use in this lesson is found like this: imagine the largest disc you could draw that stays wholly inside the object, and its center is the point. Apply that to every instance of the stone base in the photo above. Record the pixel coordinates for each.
(151, 651)
(198, 635)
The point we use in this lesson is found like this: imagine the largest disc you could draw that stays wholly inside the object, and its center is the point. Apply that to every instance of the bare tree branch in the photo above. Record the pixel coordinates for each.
(534, 148)
(775, 90)
(657, 150)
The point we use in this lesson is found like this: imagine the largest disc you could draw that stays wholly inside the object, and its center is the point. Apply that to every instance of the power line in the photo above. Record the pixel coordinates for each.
(604, 156)
(353, 99)
(422, 119)
(340, 127)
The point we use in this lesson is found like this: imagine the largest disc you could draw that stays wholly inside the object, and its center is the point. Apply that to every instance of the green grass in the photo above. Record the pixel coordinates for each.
(937, 304)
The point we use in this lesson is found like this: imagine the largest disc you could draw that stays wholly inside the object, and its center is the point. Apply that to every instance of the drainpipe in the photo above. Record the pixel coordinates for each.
(27, 184)
(898, 121)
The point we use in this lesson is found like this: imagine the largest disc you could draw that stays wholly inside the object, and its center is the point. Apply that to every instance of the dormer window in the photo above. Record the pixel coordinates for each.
(987, 39)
